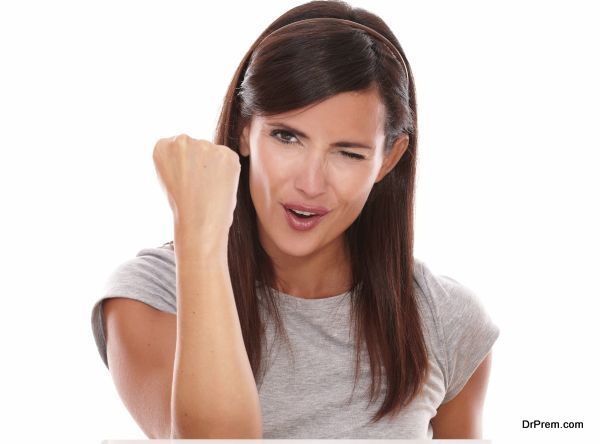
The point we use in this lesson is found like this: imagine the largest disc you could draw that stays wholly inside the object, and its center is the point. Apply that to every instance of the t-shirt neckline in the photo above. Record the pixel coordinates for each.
(288, 300)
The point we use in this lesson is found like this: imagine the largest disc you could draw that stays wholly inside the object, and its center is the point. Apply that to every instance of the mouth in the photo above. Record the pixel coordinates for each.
(302, 210)
(301, 221)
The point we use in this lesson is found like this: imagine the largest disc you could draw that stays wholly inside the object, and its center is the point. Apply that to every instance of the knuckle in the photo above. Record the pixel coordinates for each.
(158, 147)
(181, 139)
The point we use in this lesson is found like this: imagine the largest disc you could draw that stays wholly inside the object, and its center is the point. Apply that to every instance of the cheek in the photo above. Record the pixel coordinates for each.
(356, 183)
(352, 191)
(356, 199)
(266, 175)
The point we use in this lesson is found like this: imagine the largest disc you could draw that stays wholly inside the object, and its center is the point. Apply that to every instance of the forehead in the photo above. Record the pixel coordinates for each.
(356, 112)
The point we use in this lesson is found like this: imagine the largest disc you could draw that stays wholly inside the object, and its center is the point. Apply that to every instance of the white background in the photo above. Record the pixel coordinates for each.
(507, 196)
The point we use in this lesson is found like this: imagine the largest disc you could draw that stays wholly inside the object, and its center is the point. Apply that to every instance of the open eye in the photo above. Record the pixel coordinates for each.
(274, 132)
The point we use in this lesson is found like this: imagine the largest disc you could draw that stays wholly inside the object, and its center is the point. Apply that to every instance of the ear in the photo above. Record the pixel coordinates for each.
(244, 145)
(392, 157)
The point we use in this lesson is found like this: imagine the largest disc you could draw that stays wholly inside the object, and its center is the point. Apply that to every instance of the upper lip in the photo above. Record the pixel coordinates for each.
(301, 207)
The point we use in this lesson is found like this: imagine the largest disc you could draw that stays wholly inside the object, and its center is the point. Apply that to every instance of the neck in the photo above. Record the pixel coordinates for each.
(326, 273)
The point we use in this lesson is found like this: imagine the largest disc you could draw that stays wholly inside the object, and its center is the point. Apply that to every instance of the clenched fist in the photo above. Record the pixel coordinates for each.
(200, 180)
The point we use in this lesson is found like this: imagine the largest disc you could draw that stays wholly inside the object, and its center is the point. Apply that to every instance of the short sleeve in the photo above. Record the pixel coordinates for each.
(148, 277)
(467, 332)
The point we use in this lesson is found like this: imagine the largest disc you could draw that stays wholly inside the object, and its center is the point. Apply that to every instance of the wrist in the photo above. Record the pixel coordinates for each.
(199, 241)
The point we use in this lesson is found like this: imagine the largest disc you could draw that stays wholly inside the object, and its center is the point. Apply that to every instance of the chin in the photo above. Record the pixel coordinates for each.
(288, 244)
(296, 249)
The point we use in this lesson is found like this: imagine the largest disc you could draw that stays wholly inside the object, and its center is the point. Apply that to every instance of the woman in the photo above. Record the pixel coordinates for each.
(297, 222)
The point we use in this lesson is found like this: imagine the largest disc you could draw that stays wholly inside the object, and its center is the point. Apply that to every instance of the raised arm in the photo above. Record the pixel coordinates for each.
(214, 392)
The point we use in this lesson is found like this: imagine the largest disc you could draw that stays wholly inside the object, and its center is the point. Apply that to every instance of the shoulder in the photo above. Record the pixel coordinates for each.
(446, 298)
(164, 254)
(463, 331)
(160, 258)
(149, 277)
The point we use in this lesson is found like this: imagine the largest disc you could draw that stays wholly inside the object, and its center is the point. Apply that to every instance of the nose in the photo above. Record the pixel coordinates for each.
(311, 174)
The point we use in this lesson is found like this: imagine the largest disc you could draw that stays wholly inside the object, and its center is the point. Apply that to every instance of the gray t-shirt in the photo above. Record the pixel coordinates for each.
(309, 400)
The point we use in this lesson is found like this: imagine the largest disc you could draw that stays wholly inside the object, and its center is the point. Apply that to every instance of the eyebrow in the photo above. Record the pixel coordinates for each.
(340, 144)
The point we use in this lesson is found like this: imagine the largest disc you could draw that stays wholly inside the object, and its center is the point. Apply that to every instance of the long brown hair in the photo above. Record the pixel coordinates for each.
(304, 65)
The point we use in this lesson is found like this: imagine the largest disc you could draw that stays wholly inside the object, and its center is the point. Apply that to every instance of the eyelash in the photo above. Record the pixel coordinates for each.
(345, 153)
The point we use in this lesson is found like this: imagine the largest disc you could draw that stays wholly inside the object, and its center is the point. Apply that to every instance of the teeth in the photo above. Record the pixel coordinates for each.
(304, 213)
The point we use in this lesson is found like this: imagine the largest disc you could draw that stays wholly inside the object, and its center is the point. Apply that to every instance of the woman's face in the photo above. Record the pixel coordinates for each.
(314, 169)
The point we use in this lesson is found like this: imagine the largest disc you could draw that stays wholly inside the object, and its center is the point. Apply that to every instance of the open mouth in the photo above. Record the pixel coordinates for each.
(300, 220)
(301, 214)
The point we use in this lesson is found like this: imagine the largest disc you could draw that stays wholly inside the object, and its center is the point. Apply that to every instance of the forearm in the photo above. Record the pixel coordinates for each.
(214, 394)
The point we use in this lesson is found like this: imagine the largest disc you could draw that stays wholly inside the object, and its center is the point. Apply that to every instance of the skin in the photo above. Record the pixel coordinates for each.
(313, 172)
(461, 417)
(315, 264)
